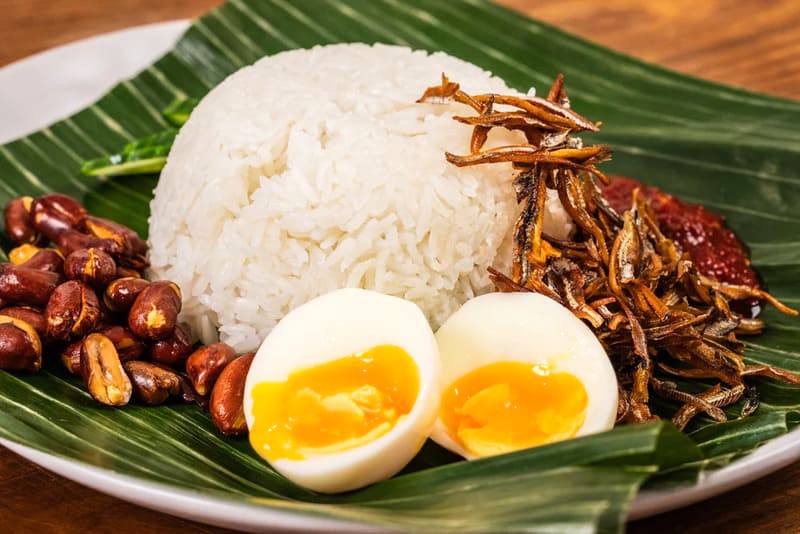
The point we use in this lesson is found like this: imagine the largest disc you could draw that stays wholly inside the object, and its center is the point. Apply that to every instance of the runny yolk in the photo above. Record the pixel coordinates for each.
(334, 406)
(507, 406)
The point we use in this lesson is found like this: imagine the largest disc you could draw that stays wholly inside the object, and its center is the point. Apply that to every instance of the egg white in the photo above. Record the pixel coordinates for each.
(339, 324)
(531, 328)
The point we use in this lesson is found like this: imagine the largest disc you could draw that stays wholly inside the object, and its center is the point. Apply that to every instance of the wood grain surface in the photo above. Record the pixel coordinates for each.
(749, 43)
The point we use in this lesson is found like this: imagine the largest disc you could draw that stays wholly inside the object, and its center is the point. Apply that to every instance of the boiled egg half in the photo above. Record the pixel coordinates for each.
(344, 390)
(520, 370)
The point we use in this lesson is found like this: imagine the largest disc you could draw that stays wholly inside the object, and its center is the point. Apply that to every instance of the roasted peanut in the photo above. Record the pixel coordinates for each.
(227, 397)
(152, 383)
(128, 348)
(103, 373)
(70, 240)
(71, 357)
(52, 214)
(91, 266)
(129, 242)
(188, 394)
(20, 345)
(122, 292)
(127, 272)
(17, 218)
(154, 313)
(32, 316)
(26, 286)
(138, 262)
(107, 317)
(127, 345)
(22, 253)
(46, 259)
(72, 311)
(206, 363)
(173, 350)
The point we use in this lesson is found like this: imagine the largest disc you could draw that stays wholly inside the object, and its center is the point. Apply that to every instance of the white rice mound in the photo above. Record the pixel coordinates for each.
(314, 170)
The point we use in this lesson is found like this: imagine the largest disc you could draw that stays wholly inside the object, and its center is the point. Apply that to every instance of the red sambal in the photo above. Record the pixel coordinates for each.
(713, 246)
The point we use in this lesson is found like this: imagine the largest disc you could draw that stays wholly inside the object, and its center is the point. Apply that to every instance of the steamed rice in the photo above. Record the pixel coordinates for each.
(314, 170)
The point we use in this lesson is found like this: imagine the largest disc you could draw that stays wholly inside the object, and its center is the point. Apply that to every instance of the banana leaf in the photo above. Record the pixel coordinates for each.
(734, 151)
(177, 113)
(147, 155)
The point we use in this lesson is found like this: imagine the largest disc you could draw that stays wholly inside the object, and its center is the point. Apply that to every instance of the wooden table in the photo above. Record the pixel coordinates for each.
(753, 44)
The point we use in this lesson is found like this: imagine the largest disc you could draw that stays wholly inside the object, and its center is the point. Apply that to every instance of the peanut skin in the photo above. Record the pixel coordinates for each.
(227, 398)
(206, 363)
(21, 254)
(71, 357)
(102, 371)
(152, 383)
(129, 242)
(137, 262)
(20, 346)
(26, 286)
(18, 222)
(54, 213)
(154, 313)
(72, 311)
(127, 272)
(122, 292)
(69, 240)
(128, 346)
(91, 266)
(32, 316)
(173, 350)
(46, 259)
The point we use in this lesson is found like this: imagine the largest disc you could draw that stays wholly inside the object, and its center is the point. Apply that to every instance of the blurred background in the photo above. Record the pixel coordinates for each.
(749, 43)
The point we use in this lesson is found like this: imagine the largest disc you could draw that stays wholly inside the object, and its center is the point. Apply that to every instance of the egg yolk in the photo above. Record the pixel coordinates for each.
(334, 406)
(507, 406)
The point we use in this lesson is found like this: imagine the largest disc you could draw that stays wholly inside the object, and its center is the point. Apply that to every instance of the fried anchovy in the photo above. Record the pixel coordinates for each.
(649, 306)
(543, 110)
(669, 390)
(716, 396)
(510, 120)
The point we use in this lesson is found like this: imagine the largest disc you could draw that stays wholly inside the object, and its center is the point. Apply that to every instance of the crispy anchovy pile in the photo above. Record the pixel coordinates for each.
(646, 302)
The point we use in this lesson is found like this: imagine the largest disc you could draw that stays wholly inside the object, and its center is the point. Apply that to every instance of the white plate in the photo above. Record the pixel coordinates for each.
(54, 84)
(49, 86)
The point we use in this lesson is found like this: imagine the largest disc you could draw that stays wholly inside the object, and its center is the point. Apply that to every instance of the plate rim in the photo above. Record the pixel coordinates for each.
(162, 37)
(766, 459)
